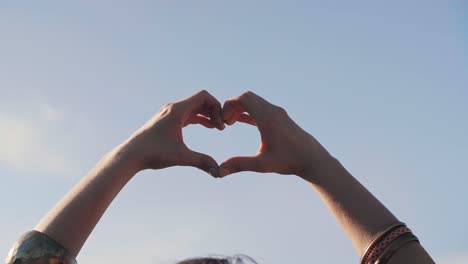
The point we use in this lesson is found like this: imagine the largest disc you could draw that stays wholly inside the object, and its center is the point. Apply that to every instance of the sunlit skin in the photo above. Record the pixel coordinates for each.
(285, 148)
(157, 144)
(288, 149)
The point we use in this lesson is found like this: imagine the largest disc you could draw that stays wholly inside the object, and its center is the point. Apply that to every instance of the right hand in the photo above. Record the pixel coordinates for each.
(160, 144)
(285, 147)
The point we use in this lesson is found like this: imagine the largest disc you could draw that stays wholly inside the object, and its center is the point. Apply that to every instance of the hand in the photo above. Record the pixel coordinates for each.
(159, 143)
(285, 147)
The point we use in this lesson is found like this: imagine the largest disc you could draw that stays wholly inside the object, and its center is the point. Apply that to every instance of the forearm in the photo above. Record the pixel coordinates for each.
(72, 220)
(157, 144)
(359, 213)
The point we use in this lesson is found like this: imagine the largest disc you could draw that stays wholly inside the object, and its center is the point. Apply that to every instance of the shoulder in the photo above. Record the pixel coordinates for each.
(36, 248)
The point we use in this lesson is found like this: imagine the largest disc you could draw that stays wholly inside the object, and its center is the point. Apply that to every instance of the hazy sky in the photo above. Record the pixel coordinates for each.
(382, 84)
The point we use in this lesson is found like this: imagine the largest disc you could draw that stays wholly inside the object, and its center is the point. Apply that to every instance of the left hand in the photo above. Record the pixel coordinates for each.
(159, 143)
(285, 147)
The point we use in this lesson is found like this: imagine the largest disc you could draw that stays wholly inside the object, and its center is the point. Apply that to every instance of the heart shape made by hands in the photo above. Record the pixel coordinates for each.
(235, 140)
(285, 148)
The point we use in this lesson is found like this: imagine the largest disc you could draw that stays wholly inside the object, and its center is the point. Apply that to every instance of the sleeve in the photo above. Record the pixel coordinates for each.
(37, 248)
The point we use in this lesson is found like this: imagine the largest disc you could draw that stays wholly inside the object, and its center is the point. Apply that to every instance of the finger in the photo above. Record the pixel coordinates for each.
(244, 118)
(238, 164)
(215, 116)
(199, 119)
(204, 103)
(201, 161)
(233, 111)
(249, 102)
(240, 117)
(233, 118)
(230, 109)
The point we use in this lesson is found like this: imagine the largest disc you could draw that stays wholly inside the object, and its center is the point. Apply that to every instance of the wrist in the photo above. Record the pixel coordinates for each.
(316, 159)
(320, 169)
(124, 156)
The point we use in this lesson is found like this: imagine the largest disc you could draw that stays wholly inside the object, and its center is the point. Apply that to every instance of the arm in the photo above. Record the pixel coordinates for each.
(71, 221)
(350, 203)
(158, 144)
(288, 149)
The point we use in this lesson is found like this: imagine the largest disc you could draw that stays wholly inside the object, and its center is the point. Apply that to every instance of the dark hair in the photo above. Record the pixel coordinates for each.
(236, 259)
(205, 261)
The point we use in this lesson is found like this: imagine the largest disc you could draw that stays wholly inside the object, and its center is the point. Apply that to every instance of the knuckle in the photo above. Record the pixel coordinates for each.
(274, 117)
(246, 97)
(215, 106)
(166, 108)
(280, 111)
(247, 94)
(203, 92)
(169, 109)
(169, 106)
(228, 102)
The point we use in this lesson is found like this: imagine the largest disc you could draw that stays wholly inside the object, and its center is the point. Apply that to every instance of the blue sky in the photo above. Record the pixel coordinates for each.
(382, 84)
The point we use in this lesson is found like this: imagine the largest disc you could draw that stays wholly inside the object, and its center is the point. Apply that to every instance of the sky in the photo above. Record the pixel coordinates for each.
(383, 85)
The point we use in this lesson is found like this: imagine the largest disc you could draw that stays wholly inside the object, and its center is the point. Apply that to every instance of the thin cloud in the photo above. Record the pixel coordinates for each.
(50, 113)
(24, 143)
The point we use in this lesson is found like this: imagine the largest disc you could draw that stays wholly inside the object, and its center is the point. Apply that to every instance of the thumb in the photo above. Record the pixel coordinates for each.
(238, 164)
(201, 161)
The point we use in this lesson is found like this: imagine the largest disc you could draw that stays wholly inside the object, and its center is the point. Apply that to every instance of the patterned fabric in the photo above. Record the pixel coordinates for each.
(36, 248)
(383, 243)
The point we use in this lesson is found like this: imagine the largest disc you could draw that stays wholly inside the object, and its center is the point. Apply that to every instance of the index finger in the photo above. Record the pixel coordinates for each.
(204, 102)
(249, 102)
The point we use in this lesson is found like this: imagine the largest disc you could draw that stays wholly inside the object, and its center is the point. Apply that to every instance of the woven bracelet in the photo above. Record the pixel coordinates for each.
(385, 241)
(394, 246)
(377, 238)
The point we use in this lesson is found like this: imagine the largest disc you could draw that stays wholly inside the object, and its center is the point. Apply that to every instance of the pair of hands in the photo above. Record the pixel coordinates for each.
(285, 147)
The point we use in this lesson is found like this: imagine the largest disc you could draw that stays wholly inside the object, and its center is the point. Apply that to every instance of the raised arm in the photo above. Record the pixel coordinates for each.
(60, 235)
(288, 149)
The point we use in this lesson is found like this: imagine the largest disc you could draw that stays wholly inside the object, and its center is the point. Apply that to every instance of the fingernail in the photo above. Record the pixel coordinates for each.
(223, 172)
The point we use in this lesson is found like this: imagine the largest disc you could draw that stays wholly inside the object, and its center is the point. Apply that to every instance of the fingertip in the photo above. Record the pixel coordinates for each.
(220, 125)
(203, 162)
(226, 116)
(230, 121)
(214, 172)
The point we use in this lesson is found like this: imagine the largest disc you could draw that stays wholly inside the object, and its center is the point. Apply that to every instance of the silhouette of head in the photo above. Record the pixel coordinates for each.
(236, 259)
